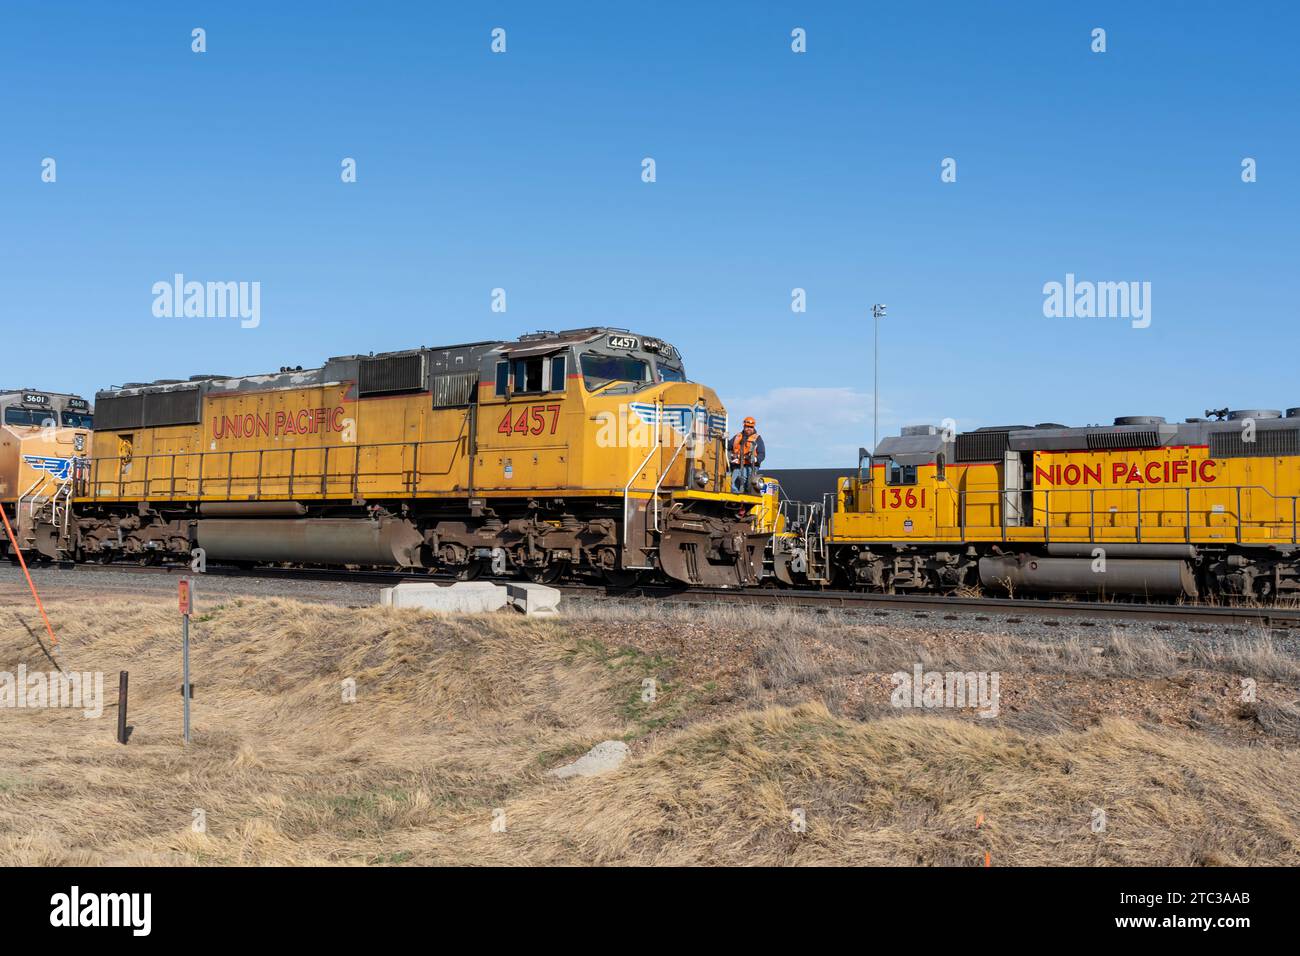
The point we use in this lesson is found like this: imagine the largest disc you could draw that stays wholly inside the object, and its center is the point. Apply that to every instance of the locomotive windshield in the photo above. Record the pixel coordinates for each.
(28, 416)
(669, 374)
(601, 370)
(78, 420)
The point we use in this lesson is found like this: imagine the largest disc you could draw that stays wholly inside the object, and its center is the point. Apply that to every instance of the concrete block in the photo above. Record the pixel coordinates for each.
(463, 597)
(535, 600)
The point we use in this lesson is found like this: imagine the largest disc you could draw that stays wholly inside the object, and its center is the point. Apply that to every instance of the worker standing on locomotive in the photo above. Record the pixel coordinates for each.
(746, 453)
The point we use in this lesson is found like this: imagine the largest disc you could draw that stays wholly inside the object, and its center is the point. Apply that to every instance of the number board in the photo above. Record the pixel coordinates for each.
(622, 341)
(660, 346)
(32, 398)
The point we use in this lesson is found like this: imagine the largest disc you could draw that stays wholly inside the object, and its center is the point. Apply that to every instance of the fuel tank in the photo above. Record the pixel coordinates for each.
(1146, 576)
(386, 542)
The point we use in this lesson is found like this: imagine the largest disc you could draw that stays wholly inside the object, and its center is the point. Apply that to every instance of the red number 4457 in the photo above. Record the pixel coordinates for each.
(531, 420)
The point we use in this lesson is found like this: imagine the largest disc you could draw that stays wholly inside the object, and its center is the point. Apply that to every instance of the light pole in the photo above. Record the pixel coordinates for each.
(877, 313)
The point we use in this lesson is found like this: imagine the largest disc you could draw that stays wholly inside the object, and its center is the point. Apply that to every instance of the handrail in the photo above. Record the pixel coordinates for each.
(200, 475)
(631, 478)
(1240, 525)
(663, 475)
(1142, 525)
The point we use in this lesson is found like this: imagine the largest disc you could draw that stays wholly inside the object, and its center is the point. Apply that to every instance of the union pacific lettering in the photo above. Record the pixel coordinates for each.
(305, 421)
(1124, 473)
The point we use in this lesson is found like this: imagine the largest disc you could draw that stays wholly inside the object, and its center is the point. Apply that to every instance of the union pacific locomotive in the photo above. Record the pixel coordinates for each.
(1143, 506)
(42, 436)
(587, 450)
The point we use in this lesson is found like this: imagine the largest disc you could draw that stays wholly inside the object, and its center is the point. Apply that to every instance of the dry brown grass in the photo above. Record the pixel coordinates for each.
(457, 717)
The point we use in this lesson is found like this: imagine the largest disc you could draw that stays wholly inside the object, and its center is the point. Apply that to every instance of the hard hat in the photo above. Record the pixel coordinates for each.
(749, 420)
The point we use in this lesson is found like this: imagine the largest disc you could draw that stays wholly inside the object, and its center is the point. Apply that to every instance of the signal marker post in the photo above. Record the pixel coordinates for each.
(186, 605)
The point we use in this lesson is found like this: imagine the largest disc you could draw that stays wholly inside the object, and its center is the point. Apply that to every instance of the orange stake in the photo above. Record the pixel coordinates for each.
(54, 641)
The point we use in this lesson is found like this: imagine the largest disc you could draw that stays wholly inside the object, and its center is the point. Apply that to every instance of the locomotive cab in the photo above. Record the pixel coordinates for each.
(901, 491)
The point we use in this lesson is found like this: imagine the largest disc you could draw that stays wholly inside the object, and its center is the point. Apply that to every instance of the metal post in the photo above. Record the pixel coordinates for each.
(877, 313)
(186, 601)
(185, 671)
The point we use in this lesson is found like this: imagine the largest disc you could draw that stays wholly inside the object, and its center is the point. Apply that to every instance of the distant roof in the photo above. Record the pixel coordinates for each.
(807, 484)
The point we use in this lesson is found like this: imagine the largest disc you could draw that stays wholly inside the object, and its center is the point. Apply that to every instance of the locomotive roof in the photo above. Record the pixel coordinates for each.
(443, 359)
(15, 396)
(920, 444)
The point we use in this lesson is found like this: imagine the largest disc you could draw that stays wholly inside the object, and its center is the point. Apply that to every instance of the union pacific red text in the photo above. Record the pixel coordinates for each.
(1125, 473)
(305, 421)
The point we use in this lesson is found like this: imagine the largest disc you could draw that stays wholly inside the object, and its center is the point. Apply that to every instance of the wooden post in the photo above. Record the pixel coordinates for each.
(121, 706)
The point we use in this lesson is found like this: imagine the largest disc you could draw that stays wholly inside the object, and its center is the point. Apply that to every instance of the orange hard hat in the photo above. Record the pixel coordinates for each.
(749, 421)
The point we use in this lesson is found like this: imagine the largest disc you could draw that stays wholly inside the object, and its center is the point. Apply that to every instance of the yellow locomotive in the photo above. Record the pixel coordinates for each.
(1139, 507)
(583, 450)
(44, 436)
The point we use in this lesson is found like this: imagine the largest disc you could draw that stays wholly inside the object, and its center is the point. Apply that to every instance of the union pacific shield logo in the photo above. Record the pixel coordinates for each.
(679, 417)
(60, 468)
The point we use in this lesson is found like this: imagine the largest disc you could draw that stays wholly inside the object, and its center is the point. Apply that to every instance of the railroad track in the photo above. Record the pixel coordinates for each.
(1007, 610)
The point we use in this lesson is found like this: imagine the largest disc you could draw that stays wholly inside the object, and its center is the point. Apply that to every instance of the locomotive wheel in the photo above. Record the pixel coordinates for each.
(620, 577)
(548, 574)
(468, 572)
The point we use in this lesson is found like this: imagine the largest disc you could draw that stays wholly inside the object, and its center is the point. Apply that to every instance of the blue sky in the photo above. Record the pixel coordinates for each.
(775, 170)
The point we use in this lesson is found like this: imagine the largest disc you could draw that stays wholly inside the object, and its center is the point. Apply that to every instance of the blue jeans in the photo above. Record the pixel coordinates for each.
(741, 475)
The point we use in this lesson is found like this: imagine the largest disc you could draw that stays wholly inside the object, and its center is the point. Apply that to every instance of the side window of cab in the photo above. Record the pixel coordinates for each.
(898, 474)
(531, 376)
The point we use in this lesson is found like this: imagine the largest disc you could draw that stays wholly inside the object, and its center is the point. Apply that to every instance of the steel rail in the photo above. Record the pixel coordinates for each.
(1011, 610)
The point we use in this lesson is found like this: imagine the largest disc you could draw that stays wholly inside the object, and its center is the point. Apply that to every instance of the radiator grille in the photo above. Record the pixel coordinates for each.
(983, 446)
(1146, 439)
(454, 388)
(149, 410)
(396, 373)
(1274, 443)
(173, 408)
(116, 412)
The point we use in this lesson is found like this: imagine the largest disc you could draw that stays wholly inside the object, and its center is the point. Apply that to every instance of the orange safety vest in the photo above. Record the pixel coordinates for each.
(742, 447)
